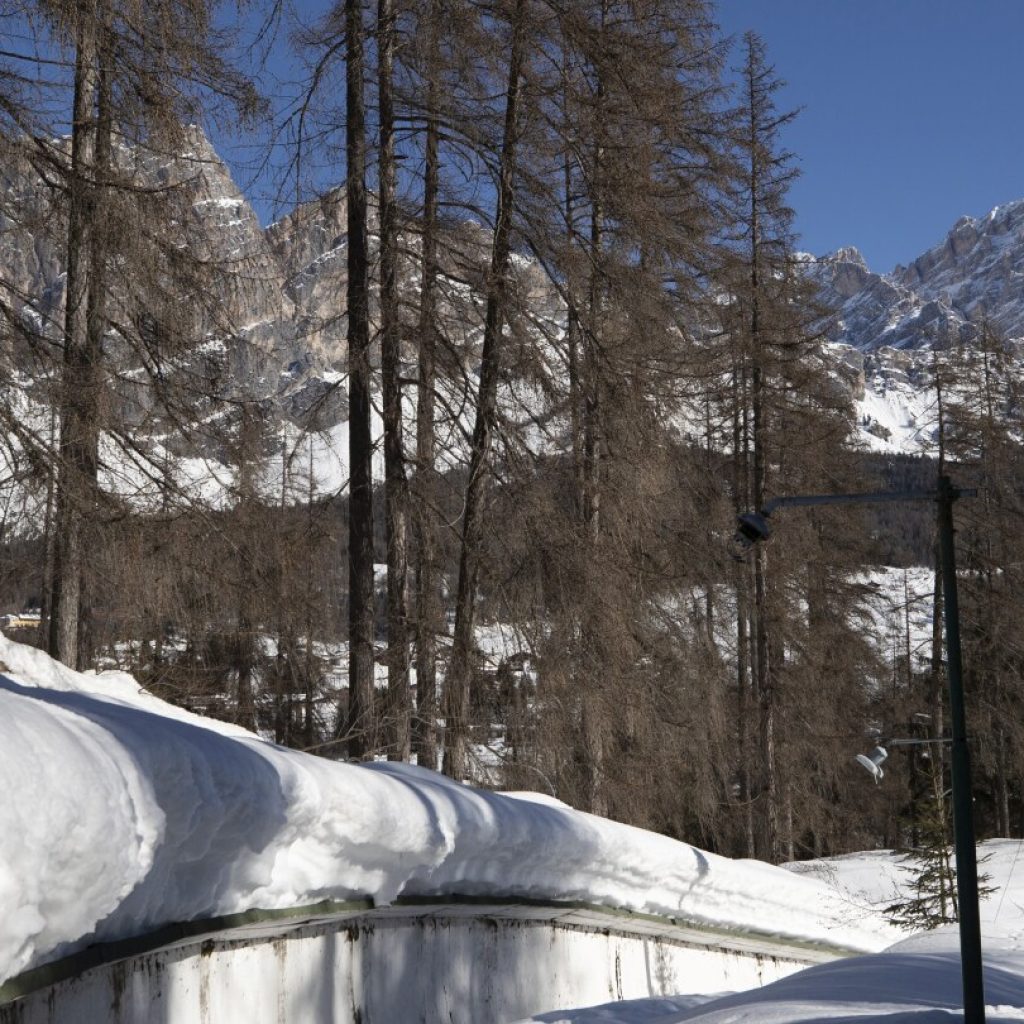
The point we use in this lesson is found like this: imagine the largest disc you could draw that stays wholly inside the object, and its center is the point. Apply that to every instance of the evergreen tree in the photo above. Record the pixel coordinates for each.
(932, 897)
(931, 900)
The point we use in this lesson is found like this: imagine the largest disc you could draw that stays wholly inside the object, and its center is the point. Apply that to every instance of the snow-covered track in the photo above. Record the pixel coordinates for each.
(422, 959)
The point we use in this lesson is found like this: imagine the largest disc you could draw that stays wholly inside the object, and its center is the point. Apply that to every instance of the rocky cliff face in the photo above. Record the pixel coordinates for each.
(978, 270)
(976, 274)
(246, 314)
(31, 246)
(268, 321)
(875, 311)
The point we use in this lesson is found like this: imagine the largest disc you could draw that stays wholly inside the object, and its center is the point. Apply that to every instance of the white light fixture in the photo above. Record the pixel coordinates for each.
(873, 762)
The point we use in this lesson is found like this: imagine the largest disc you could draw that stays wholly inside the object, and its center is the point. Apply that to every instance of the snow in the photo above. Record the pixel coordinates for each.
(910, 984)
(895, 418)
(627, 1011)
(221, 202)
(902, 603)
(123, 813)
(915, 981)
(875, 879)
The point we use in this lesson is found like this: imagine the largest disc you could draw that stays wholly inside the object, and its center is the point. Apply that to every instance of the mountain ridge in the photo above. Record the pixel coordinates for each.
(288, 345)
(974, 275)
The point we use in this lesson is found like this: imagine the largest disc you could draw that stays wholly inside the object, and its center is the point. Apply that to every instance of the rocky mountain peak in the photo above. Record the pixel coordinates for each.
(848, 254)
(847, 272)
(975, 274)
(977, 271)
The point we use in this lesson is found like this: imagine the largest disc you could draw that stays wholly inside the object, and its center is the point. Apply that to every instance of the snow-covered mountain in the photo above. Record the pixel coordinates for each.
(887, 328)
(884, 333)
(272, 328)
(977, 271)
(875, 310)
(974, 275)
(286, 329)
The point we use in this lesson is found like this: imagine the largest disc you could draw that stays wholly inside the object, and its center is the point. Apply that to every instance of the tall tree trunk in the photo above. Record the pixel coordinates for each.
(766, 711)
(284, 659)
(762, 667)
(49, 535)
(359, 725)
(96, 326)
(396, 492)
(244, 654)
(427, 589)
(592, 640)
(457, 689)
(762, 659)
(741, 490)
(309, 702)
(743, 728)
(244, 651)
(76, 474)
(572, 315)
(592, 410)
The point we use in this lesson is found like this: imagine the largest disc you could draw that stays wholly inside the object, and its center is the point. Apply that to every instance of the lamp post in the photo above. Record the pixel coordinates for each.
(754, 528)
(872, 762)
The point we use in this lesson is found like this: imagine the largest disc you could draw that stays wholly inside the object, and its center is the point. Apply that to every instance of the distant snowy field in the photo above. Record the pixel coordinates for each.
(122, 813)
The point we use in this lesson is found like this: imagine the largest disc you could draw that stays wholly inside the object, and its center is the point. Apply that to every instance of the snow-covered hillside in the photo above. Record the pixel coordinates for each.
(887, 328)
(123, 813)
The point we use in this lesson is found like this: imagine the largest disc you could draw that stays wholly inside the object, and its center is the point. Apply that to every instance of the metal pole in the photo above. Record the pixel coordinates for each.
(963, 814)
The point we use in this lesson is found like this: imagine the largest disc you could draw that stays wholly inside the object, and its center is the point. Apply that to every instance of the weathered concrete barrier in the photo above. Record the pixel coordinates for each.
(459, 961)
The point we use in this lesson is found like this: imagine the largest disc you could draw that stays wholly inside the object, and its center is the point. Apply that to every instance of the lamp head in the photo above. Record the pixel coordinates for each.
(752, 528)
(873, 762)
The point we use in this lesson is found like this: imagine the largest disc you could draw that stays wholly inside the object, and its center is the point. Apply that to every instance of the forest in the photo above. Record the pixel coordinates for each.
(541, 258)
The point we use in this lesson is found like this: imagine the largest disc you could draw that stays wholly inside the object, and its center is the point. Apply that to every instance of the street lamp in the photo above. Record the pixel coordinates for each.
(872, 763)
(754, 528)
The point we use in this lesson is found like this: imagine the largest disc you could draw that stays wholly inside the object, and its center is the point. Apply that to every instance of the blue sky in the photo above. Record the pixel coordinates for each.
(913, 114)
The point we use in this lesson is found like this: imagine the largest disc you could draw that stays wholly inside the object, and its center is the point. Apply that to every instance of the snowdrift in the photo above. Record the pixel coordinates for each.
(916, 982)
(123, 814)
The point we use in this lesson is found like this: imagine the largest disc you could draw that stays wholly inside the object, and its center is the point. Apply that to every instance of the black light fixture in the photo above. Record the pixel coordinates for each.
(752, 528)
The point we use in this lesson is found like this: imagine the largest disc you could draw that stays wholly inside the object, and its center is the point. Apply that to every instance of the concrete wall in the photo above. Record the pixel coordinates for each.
(458, 965)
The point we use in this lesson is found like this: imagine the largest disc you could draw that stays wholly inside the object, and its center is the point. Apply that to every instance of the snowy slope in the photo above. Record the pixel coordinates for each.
(123, 813)
(915, 981)
(877, 878)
